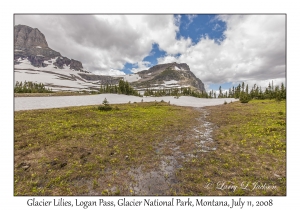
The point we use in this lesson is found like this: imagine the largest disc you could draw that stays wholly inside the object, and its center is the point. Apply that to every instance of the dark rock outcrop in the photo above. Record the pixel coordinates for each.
(37, 61)
(75, 65)
(61, 61)
(104, 80)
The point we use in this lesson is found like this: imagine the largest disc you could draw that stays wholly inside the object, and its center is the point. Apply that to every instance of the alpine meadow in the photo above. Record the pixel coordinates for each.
(147, 105)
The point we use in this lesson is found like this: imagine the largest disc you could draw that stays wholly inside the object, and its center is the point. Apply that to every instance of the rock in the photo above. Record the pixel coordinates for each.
(37, 61)
(53, 163)
(77, 65)
(104, 80)
(63, 164)
(24, 166)
(61, 61)
(276, 175)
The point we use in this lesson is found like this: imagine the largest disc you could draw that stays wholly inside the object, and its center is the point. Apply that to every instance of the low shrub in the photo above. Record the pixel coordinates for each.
(105, 106)
(244, 98)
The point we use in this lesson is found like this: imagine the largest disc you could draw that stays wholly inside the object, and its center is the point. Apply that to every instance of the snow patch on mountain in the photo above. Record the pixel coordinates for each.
(52, 77)
(132, 77)
(171, 82)
(177, 69)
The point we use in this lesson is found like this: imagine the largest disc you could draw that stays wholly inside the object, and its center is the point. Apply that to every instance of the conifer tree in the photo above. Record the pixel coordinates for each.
(220, 92)
(283, 91)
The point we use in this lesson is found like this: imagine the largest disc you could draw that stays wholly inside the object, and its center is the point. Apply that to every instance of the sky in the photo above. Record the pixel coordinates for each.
(221, 50)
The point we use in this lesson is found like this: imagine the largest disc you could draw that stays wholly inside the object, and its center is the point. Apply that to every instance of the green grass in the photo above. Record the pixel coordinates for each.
(84, 151)
(81, 150)
(251, 148)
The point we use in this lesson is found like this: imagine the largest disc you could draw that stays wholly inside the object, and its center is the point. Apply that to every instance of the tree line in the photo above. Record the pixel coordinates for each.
(245, 94)
(183, 91)
(31, 87)
(242, 92)
(122, 88)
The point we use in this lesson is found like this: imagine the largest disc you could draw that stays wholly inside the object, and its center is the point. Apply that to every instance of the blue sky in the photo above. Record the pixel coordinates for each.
(219, 49)
(197, 26)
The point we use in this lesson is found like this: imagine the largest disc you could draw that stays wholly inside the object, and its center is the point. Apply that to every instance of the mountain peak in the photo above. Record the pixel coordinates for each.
(30, 44)
(27, 37)
(168, 75)
(174, 66)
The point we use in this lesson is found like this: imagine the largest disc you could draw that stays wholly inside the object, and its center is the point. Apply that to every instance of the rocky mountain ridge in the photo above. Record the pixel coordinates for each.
(168, 75)
(31, 44)
(35, 61)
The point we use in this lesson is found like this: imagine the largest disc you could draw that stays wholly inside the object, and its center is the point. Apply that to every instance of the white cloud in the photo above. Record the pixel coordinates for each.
(216, 27)
(190, 20)
(254, 49)
(177, 19)
(140, 66)
(102, 42)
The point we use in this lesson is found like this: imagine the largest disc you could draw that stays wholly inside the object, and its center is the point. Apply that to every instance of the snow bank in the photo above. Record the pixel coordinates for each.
(28, 103)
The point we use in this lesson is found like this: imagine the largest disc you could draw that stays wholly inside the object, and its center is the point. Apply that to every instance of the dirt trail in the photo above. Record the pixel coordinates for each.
(206, 142)
(160, 181)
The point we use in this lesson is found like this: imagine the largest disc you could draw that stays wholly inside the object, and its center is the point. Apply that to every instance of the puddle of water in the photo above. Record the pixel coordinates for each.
(204, 133)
